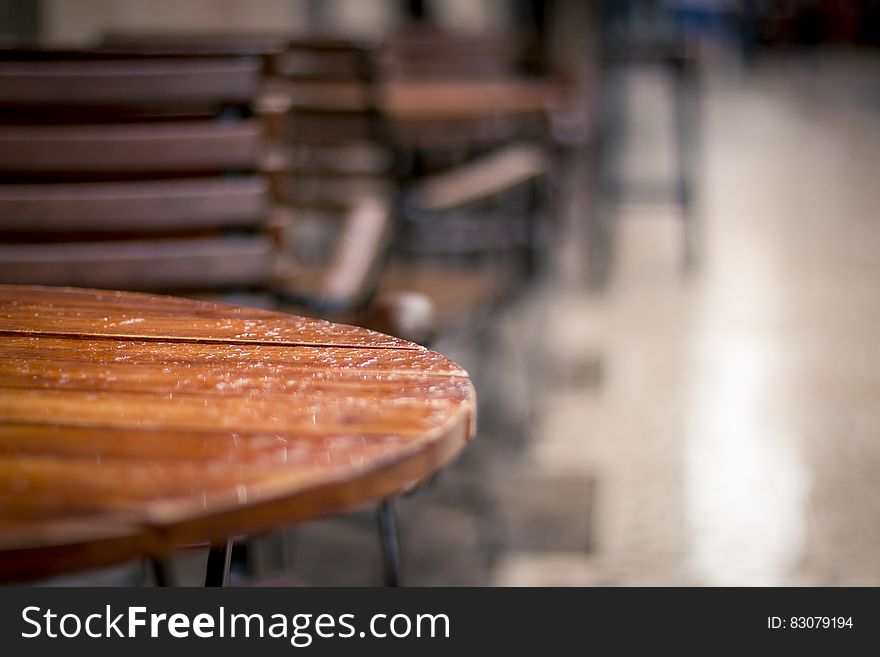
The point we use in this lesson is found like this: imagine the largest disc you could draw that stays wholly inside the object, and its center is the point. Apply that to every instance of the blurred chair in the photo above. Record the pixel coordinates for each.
(330, 152)
(131, 173)
(326, 134)
(326, 169)
(341, 127)
(470, 233)
(144, 171)
(475, 213)
(454, 96)
(633, 34)
(469, 132)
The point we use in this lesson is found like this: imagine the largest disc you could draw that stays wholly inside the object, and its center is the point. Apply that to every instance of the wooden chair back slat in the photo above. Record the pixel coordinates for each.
(332, 108)
(164, 44)
(153, 148)
(131, 82)
(132, 172)
(138, 206)
(162, 264)
(432, 53)
(358, 260)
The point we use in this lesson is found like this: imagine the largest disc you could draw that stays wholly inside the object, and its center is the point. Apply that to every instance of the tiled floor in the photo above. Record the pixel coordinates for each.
(734, 437)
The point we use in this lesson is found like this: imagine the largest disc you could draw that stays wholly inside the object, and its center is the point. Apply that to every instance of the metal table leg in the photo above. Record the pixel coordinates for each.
(217, 570)
(390, 542)
(161, 572)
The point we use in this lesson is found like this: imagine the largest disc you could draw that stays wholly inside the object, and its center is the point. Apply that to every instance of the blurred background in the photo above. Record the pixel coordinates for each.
(649, 231)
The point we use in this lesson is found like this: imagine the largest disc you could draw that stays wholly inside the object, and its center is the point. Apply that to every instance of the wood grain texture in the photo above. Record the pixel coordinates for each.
(132, 424)
(69, 81)
(91, 313)
(144, 205)
(194, 146)
(140, 264)
(454, 99)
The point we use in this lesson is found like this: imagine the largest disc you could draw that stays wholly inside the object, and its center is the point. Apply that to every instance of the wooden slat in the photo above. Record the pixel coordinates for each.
(137, 365)
(321, 96)
(429, 52)
(72, 311)
(487, 177)
(454, 99)
(115, 446)
(93, 444)
(128, 82)
(163, 44)
(141, 264)
(130, 148)
(358, 260)
(360, 409)
(133, 206)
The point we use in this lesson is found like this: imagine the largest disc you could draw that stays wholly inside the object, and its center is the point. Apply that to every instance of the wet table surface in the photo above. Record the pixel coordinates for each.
(133, 424)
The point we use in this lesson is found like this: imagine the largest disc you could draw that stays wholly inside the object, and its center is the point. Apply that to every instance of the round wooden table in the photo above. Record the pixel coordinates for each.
(132, 424)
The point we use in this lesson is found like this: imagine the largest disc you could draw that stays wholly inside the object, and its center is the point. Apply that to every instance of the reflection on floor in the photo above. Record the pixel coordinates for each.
(722, 428)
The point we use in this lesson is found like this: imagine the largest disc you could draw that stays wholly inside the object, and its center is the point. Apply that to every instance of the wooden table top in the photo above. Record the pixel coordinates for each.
(132, 424)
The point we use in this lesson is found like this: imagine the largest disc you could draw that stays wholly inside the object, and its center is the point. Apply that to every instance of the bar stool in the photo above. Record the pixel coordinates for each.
(641, 34)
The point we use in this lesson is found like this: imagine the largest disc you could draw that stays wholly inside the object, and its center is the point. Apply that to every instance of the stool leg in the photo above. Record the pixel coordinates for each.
(687, 133)
(390, 542)
(161, 573)
(606, 186)
(217, 570)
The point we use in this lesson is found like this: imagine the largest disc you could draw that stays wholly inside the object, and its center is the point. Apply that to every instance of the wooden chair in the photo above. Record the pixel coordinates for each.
(331, 107)
(457, 92)
(330, 150)
(475, 215)
(328, 141)
(144, 171)
(131, 173)
(469, 133)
